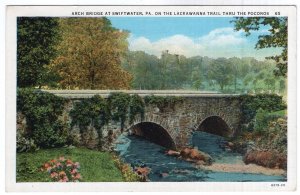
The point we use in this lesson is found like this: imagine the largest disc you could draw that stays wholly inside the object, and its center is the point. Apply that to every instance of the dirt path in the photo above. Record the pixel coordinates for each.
(242, 168)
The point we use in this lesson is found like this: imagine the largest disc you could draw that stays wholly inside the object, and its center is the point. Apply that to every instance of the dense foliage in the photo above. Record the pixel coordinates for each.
(136, 107)
(42, 111)
(97, 112)
(90, 112)
(262, 119)
(91, 57)
(36, 40)
(119, 104)
(250, 104)
(276, 37)
(232, 75)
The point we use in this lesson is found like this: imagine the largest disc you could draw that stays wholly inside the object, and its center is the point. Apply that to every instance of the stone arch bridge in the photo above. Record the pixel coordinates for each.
(173, 126)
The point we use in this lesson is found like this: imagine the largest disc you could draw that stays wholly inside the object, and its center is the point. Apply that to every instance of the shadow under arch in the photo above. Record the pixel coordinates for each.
(215, 125)
(154, 133)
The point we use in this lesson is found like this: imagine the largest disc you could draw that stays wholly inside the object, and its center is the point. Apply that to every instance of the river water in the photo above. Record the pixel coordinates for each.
(140, 152)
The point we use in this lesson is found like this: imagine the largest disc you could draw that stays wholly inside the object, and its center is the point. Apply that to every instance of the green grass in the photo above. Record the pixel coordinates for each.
(95, 166)
(280, 113)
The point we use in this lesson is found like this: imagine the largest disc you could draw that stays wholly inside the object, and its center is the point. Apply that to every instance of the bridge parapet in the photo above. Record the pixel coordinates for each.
(78, 94)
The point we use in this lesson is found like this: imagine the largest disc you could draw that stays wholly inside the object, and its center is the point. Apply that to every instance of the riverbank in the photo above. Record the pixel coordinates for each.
(242, 168)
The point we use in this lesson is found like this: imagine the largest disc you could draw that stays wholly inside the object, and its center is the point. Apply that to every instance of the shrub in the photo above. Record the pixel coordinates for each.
(63, 170)
(42, 111)
(262, 119)
(25, 144)
(127, 171)
(251, 103)
(136, 107)
(119, 107)
(90, 112)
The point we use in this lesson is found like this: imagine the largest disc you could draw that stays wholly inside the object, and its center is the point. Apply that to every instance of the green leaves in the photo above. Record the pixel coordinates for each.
(119, 104)
(42, 110)
(91, 57)
(36, 39)
(136, 107)
(267, 102)
(277, 36)
(92, 111)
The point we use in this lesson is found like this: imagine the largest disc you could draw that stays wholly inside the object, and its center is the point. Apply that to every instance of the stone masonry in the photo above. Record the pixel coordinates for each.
(179, 120)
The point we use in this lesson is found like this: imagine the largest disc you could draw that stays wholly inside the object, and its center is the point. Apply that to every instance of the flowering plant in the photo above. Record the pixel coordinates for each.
(63, 170)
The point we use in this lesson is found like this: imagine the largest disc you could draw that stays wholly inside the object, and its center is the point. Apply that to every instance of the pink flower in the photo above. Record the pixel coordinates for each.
(49, 169)
(58, 164)
(69, 161)
(77, 164)
(53, 175)
(61, 158)
(65, 179)
(77, 176)
(73, 171)
(53, 161)
(62, 173)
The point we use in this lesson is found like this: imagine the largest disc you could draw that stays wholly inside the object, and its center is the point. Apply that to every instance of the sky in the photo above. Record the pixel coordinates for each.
(191, 36)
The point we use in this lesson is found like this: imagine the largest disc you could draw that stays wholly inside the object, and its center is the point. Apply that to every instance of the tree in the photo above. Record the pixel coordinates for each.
(221, 72)
(144, 68)
(277, 37)
(89, 55)
(36, 40)
(196, 80)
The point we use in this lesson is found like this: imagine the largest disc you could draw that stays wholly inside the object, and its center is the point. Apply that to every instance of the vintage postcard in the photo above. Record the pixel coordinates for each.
(151, 98)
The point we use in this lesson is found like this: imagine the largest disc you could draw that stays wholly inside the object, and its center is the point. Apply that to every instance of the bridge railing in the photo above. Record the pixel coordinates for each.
(79, 94)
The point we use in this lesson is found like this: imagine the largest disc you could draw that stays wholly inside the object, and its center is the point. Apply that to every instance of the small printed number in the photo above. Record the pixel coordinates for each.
(278, 185)
(277, 13)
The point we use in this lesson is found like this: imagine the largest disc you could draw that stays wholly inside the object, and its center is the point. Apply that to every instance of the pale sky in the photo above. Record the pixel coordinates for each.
(191, 36)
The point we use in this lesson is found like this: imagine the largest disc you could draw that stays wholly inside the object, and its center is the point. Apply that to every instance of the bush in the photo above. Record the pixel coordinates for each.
(42, 111)
(25, 144)
(136, 107)
(119, 107)
(63, 170)
(90, 112)
(128, 173)
(268, 102)
(262, 119)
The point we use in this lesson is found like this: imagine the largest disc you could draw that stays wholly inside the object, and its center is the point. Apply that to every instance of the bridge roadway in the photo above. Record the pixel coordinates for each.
(79, 94)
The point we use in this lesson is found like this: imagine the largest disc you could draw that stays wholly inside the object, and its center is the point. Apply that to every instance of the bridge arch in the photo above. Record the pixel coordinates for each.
(154, 133)
(215, 125)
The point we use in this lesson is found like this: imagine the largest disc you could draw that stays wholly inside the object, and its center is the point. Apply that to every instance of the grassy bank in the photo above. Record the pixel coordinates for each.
(95, 166)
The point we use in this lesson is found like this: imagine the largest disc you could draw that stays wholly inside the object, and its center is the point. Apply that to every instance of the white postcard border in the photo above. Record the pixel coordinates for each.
(11, 185)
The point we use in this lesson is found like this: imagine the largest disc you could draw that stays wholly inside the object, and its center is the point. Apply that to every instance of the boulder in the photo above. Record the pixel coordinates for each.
(185, 153)
(194, 155)
(143, 171)
(230, 144)
(270, 159)
(163, 175)
(172, 153)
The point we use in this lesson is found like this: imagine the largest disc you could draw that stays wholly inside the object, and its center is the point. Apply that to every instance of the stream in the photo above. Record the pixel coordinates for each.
(138, 151)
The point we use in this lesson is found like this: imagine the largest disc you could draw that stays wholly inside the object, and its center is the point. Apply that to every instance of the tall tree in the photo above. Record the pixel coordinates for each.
(221, 72)
(277, 37)
(90, 55)
(36, 40)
